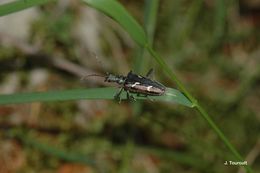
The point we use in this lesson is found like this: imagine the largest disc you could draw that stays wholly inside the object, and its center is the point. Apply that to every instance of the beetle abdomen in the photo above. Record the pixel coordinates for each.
(140, 84)
(144, 89)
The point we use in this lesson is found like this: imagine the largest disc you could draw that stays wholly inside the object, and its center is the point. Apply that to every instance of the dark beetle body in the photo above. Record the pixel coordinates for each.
(139, 84)
(133, 83)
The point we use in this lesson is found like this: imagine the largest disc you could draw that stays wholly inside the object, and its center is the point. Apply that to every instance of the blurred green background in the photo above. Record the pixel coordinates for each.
(212, 45)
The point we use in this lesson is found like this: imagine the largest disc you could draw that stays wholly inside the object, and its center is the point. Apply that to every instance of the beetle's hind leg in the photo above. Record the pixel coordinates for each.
(150, 73)
(145, 95)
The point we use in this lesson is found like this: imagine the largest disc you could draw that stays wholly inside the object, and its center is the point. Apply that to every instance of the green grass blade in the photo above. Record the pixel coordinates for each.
(151, 10)
(141, 62)
(220, 24)
(19, 5)
(115, 10)
(95, 93)
(171, 95)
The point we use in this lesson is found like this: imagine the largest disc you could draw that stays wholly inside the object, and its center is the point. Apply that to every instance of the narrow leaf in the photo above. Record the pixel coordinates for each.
(115, 10)
(19, 5)
(171, 95)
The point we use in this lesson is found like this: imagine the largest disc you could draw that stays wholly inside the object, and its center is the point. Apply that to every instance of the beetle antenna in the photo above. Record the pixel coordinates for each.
(90, 75)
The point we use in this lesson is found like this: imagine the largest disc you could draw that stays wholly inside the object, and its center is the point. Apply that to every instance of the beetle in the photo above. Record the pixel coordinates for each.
(133, 83)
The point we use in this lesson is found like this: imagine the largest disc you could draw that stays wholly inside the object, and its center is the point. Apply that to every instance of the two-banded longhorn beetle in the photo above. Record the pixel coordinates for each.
(133, 83)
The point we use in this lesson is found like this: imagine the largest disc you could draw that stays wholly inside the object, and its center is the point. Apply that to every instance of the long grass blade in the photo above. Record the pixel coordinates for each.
(19, 5)
(115, 10)
(171, 95)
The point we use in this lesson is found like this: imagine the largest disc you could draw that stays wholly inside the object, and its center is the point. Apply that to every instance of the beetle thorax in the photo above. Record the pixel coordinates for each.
(115, 78)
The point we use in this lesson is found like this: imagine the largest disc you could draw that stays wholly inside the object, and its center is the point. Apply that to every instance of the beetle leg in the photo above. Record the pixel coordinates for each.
(141, 95)
(117, 95)
(150, 73)
(129, 96)
(144, 95)
(150, 98)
